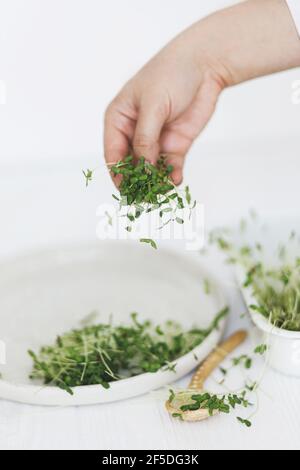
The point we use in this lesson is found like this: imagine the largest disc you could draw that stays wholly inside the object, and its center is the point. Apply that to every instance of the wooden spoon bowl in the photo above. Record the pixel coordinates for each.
(199, 378)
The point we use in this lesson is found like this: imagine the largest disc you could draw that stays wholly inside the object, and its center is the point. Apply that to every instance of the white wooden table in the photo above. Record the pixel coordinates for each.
(42, 206)
(143, 423)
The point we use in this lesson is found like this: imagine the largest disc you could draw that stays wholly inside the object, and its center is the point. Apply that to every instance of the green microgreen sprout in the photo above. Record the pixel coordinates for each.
(149, 241)
(172, 395)
(109, 218)
(261, 349)
(170, 367)
(252, 386)
(177, 415)
(207, 286)
(243, 360)
(88, 174)
(245, 422)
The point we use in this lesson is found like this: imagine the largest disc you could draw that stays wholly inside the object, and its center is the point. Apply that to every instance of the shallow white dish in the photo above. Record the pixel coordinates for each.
(283, 345)
(45, 294)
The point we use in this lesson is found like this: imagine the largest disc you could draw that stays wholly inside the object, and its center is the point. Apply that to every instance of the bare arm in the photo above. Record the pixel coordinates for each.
(168, 103)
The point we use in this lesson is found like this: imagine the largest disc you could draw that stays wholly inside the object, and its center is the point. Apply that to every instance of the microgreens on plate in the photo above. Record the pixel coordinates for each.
(104, 353)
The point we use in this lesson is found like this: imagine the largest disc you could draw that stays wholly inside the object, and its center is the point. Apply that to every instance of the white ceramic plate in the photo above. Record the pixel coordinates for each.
(45, 294)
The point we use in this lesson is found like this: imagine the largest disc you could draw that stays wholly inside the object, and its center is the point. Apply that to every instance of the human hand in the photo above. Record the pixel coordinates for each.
(168, 103)
(163, 108)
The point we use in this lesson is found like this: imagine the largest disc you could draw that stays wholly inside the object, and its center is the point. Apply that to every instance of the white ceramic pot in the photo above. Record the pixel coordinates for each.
(283, 345)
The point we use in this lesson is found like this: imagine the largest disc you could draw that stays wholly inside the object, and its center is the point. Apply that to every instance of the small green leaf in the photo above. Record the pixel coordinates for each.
(261, 349)
(149, 241)
(246, 422)
(207, 286)
(177, 415)
(248, 363)
(88, 174)
(188, 195)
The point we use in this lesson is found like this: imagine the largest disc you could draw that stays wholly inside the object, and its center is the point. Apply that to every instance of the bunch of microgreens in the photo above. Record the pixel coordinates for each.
(146, 188)
(105, 353)
(185, 400)
(190, 400)
(275, 285)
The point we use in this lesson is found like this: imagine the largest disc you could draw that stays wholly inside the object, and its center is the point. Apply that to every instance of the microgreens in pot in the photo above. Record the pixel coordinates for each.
(275, 284)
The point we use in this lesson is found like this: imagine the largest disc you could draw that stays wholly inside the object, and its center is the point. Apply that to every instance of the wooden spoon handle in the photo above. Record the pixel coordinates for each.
(215, 358)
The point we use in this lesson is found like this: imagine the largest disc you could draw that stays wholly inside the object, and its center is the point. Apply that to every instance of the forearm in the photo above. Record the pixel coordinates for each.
(252, 39)
(168, 103)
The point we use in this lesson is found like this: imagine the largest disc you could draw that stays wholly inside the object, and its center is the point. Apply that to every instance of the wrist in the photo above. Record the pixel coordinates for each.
(209, 50)
(241, 42)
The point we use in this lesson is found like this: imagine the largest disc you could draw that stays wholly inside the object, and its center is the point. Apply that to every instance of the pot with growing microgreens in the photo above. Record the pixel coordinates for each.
(270, 283)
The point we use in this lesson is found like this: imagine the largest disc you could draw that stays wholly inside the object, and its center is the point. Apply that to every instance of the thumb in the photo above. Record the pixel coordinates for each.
(151, 119)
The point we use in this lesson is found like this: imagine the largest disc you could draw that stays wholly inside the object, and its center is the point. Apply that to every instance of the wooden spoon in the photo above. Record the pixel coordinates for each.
(201, 374)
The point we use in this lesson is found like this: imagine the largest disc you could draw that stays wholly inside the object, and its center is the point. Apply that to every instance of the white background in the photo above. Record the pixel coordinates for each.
(62, 61)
